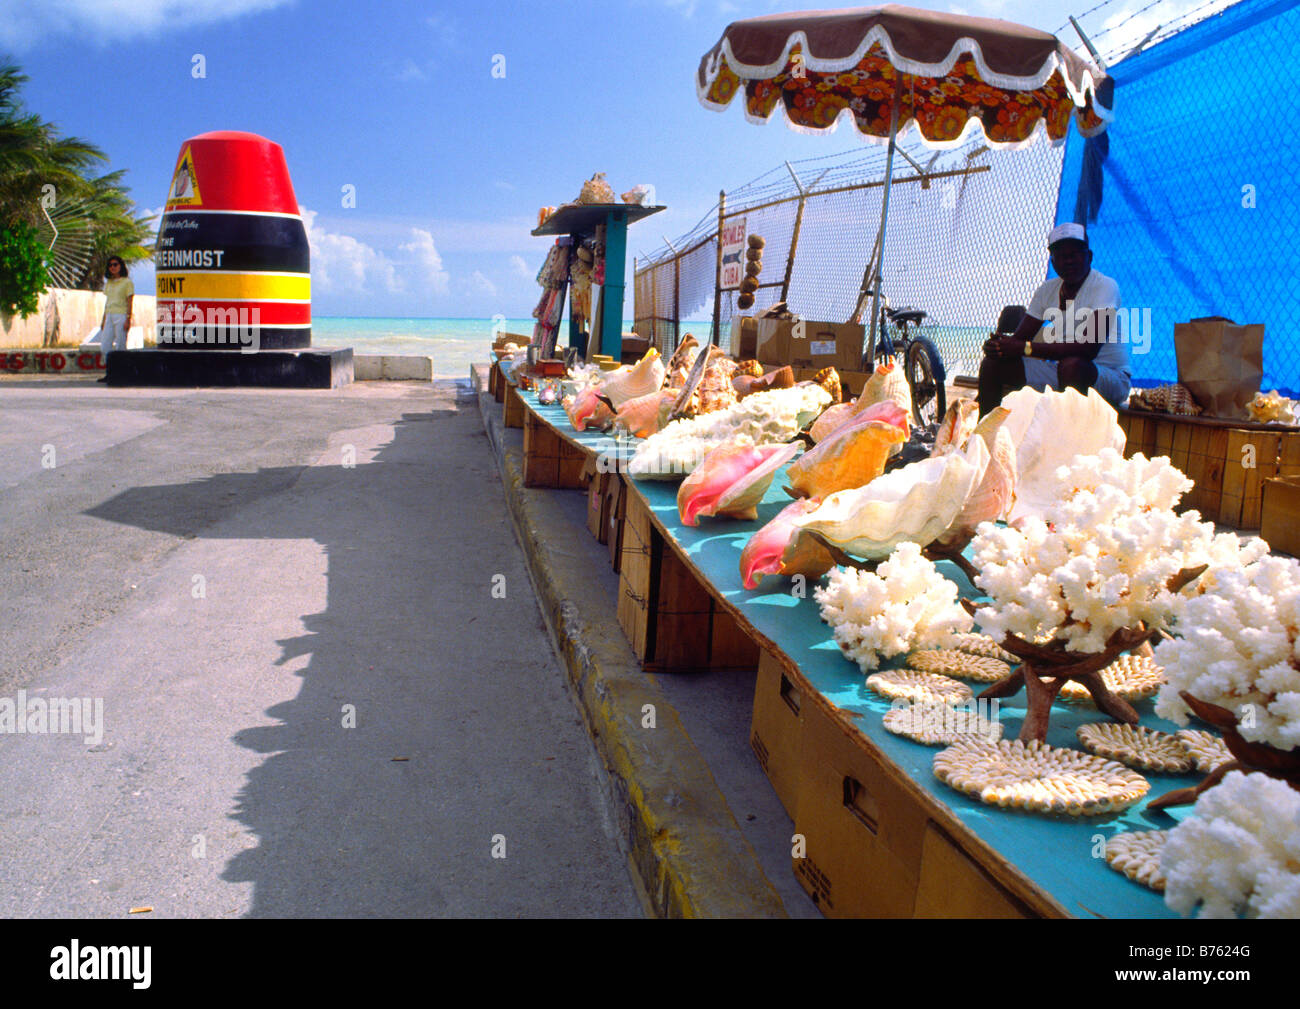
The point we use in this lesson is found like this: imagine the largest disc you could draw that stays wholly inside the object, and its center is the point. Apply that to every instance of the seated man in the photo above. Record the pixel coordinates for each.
(1076, 350)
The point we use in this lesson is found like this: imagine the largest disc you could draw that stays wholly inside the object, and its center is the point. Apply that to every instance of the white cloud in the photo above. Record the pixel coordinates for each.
(519, 268)
(409, 71)
(503, 185)
(477, 283)
(427, 261)
(33, 23)
(341, 263)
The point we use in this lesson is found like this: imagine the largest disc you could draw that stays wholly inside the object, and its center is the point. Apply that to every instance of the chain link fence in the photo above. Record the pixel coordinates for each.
(966, 236)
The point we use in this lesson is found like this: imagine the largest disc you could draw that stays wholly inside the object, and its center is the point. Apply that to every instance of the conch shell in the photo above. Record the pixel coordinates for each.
(775, 550)
(679, 365)
(996, 492)
(716, 391)
(852, 455)
(731, 481)
(887, 382)
(645, 415)
(957, 425)
(745, 383)
(589, 409)
(829, 379)
(750, 367)
(643, 378)
(1272, 407)
(917, 502)
(1048, 430)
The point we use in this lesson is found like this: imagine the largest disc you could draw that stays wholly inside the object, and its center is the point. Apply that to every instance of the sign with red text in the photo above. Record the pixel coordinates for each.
(733, 254)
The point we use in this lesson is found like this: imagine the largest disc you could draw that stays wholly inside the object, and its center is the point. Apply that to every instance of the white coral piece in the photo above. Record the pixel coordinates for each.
(1238, 852)
(905, 604)
(764, 418)
(1240, 649)
(1098, 558)
(1049, 429)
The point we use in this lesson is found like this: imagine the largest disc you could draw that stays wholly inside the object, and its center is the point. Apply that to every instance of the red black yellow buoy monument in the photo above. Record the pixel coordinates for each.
(233, 276)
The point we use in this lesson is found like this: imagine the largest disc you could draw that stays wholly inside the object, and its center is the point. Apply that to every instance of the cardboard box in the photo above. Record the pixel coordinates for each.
(595, 485)
(776, 730)
(1280, 523)
(822, 344)
(862, 829)
(744, 338)
(953, 885)
(614, 514)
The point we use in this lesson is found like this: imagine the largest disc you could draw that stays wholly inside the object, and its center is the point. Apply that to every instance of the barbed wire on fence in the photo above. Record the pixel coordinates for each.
(966, 236)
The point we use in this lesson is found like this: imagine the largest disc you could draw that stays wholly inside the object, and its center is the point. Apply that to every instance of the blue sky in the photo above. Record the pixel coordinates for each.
(397, 98)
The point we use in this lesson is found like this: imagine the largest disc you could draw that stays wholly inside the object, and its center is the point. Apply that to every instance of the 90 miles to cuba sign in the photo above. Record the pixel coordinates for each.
(733, 254)
(51, 362)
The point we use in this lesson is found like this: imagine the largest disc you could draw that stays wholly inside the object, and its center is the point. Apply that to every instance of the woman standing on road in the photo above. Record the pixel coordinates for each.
(117, 308)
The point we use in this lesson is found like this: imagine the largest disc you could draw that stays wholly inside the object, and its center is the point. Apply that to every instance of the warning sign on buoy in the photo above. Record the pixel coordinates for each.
(232, 260)
(184, 190)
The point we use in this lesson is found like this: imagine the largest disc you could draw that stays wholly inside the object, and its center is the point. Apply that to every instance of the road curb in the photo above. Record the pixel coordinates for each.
(685, 844)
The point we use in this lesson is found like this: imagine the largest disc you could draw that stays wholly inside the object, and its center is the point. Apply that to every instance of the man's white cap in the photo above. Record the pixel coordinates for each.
(1064, 231)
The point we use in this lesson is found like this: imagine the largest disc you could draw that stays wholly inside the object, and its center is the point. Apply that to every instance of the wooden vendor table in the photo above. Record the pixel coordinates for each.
(555, 455)
(884, 837)
(1228, 460)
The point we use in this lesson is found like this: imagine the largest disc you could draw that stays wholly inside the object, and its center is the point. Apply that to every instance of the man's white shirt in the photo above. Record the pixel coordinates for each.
(1098, 292)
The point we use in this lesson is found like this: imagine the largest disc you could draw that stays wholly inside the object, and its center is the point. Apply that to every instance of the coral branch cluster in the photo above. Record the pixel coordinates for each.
(905, 604)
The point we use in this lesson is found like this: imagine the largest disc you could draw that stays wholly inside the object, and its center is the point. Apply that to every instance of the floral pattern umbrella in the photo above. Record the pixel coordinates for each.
(891, 66)
(950, 73)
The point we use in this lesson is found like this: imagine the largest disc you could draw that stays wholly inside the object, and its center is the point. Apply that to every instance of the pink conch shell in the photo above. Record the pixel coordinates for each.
(775, 550)
(957, 425)
(589, 410)
(1048, 429)
(831, 418)
(852, 455)
(731, 481)
(645, 415)
(643, 378)
(917, 502)
(887, 382)
(996, 492)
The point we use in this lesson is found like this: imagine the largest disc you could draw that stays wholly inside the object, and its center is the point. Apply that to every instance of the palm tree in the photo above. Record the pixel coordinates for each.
(33, 157)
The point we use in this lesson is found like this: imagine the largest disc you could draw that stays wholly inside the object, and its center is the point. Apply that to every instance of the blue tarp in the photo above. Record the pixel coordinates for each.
(1196, 186)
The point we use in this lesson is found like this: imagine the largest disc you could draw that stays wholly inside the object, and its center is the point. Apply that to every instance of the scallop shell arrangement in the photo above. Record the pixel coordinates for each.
(909, 685)
(935, 723)
(1175, 399)
(983, 644)
(952, 662)
(1136, 746)
(1035, 776)
(1206, 749)
(1137, 856)
(1131, 677)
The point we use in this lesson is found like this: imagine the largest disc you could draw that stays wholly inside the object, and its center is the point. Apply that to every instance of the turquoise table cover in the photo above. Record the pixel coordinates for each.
(1055, 852)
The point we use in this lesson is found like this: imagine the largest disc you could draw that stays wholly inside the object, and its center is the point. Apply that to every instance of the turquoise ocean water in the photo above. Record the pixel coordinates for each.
(455, 344)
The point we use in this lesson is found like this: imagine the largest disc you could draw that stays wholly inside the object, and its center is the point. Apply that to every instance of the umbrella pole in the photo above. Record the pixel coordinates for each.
(884, 209)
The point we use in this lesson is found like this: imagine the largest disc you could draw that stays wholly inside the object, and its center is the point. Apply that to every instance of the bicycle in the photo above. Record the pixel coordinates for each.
(901, 338)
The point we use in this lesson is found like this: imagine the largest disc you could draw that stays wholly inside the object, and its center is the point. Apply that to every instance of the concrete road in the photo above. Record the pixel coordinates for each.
(326, 687)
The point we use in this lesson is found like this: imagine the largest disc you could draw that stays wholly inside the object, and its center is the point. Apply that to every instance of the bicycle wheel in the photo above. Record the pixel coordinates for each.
(926, 377)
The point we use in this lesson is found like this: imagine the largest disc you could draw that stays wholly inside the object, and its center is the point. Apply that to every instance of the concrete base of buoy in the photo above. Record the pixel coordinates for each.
(310, 368)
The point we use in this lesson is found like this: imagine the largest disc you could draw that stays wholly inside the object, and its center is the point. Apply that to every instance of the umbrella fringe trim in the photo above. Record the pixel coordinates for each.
(901, 63)
(973, 125)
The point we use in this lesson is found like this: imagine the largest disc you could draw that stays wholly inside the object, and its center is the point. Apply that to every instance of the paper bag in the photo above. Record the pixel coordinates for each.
(1220, 363)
